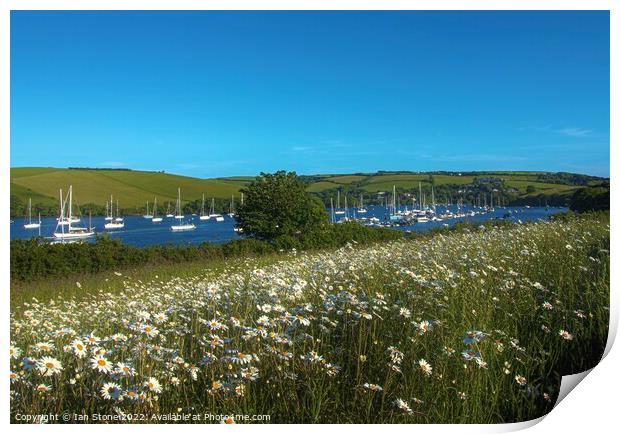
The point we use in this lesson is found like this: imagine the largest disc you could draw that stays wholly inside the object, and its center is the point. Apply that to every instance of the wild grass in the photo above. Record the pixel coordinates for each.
(470, 327)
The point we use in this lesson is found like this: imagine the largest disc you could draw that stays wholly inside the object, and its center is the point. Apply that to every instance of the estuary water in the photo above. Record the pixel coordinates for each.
(141, 232)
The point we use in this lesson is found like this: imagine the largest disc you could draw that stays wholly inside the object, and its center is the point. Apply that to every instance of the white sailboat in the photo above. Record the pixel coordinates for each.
(182, 226)
(232, 207)
(155, 219)
(338, 210)
(114, 222)
(108, 210)
(72, 232)
(213, 214)
(147, 215)
(31, 224)
(361, 209)
(168, 213)
(118, 218)
(203, 214)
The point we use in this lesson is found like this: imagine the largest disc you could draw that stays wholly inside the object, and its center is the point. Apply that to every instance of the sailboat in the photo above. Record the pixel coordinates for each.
(108, 210)
(213, 214)
(177, 210)
(361, 209)
(72, 233)
(155, 219)
(182, 226)
(65, 220)
(147, 215)
(118, 218)
(232, 207)
(338, 210)
(30, 224)
(168, 213)
(114, 223)
(203, 214)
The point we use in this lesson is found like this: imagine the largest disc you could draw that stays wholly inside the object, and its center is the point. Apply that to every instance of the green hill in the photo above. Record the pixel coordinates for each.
(132, 188)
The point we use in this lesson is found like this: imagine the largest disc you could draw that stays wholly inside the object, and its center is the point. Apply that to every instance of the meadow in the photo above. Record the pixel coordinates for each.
(475, 326)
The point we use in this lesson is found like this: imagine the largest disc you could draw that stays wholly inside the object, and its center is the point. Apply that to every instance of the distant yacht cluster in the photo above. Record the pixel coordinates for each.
(399, 215)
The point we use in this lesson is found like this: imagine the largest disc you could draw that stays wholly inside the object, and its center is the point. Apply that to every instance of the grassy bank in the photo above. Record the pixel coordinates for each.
(468, 326)
(36, 259)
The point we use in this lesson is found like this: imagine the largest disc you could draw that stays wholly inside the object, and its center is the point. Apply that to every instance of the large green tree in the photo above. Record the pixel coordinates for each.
(278, 205)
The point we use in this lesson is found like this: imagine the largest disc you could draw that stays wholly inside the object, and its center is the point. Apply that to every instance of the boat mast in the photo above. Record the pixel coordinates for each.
(70, 204)
(420, 197)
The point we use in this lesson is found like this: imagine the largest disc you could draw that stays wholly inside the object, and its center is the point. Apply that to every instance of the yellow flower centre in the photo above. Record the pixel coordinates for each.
(101, 362)
(49, 365)
(80, 347)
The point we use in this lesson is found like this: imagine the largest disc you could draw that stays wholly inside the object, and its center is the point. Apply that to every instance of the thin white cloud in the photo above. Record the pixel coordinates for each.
(567, 131)
(574, 132)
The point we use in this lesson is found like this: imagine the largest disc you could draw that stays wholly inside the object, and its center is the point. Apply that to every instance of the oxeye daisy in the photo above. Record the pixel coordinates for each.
(78, 347)
(229, 420)
(402, 406)
(149, 330)
(111, 391)
(49, 366)
(44, 346)
(425, 367)
(101, 364)
(470, 355)
(15, 352)
(242, 358)
(566, 335)
(92, 339)
(43, 388)
(131, 394)
(216, 341)
(125, 370)
(161, 317)
(424, 327)
(521, 381)
(153, 385)
(250, 373)
(372, 387)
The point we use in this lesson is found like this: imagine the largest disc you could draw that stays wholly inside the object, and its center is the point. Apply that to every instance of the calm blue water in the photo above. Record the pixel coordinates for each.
(141, 232)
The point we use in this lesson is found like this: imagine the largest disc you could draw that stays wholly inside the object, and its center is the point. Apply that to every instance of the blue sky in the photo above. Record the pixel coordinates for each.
(211, 94)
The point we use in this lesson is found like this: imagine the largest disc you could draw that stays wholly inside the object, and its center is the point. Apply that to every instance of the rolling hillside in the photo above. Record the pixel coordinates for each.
(133, 188)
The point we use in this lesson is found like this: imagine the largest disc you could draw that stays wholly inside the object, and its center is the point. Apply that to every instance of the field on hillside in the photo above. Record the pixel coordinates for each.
(130, 188)
(471, 327)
